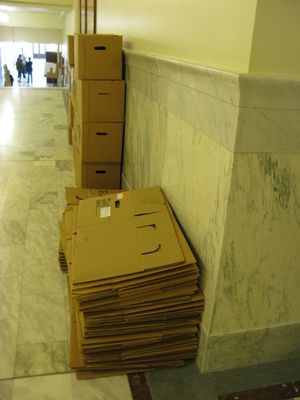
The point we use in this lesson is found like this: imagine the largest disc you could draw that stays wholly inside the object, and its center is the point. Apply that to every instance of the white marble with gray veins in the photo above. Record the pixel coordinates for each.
(225, 149)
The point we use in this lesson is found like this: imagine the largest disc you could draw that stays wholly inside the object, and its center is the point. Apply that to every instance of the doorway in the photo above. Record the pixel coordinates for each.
(9, 52)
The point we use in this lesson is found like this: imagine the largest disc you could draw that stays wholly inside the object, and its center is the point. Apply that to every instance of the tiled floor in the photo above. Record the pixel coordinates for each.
(35, 166)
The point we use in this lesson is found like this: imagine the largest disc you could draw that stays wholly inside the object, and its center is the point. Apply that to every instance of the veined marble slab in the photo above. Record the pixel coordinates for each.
(242, 112)
(225, 149)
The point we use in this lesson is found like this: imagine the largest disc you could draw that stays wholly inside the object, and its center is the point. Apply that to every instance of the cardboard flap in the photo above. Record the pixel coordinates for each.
(120, 205)
(148, 239)
(158, 243)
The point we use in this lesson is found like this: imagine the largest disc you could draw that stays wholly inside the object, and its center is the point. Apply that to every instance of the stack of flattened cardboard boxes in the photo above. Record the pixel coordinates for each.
(99, 96)
(134, 286)
(68, 221)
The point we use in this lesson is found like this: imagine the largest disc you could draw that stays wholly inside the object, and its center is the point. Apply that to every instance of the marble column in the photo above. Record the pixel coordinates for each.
(225, 149)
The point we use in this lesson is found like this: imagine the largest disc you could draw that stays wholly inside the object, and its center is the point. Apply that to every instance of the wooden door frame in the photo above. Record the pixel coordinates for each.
(85, 16)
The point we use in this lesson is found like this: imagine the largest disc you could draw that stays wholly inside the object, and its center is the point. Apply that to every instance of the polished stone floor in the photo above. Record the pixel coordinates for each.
(35, 166)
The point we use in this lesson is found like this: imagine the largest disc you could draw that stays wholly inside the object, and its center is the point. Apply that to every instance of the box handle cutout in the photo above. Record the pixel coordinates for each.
(101, 133)
(103, 94)
(100, 47)
(151, 251)
(100, 171)
(147, 239)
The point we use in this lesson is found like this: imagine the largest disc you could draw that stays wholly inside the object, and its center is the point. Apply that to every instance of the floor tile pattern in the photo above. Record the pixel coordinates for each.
(33, 324)
(35, 166)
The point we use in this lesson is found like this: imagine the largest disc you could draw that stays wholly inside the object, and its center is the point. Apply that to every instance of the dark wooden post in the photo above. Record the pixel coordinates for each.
(95, 16)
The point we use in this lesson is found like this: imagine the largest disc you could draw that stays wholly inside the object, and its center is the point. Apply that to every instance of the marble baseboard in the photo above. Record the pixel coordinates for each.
(241, 349)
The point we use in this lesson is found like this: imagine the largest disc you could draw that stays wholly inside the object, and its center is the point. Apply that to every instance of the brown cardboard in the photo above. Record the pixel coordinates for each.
(98, 56)
(74, 195)
(72, 86)
(77, 129)
(95, 175)
(121, 205)
(101, 142)
(129, 282)
(70, 45)
(100, 101)
(52, 75)
(70, 134)
(130, 313)
(77, 162)
(70, 112)
(101, 175)
(70, 119)
(131, 244)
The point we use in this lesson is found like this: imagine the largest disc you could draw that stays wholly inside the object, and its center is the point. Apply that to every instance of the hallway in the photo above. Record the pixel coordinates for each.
(38, 76)
(35, 166)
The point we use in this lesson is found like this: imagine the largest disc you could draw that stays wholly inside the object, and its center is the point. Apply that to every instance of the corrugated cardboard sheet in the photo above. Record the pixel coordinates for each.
(134, 284)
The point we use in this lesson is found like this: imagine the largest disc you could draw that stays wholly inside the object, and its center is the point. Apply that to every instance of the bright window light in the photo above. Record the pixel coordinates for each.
(4, 17)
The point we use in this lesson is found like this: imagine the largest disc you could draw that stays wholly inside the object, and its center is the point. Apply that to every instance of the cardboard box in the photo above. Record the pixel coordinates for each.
(95, 175)
(52, 75)
(100, 142)
(100, 101)
(74, 195)
(77, 162)
(72, 85)
(70, 119)
(101, 175)
(70, 45)
(98, 56)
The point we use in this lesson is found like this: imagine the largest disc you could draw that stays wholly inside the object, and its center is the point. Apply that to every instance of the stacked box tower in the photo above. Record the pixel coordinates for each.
(97, 93)
(70, 58)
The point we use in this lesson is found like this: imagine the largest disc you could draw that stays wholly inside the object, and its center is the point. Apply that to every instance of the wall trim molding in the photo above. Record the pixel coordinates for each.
(245, 113)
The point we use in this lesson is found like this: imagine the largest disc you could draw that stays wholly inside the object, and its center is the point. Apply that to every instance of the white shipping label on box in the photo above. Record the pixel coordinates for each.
(105, 212)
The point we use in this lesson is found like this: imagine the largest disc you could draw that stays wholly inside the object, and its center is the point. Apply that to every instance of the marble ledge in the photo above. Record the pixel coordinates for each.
(239, 130)
(239, 89)
(212, 82)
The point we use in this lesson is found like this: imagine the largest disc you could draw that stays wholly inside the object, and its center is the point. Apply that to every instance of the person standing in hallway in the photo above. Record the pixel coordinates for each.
(19, 66)
(24, 63)
(7, 80)
(29, 69)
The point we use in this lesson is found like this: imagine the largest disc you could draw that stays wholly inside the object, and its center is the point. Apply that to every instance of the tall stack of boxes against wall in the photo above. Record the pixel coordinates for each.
(98, 94)
(70, 85)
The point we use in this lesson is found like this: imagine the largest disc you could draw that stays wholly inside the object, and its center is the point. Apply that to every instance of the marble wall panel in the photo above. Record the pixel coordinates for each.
(211, 115)
(259, 272)
(193, 170)
(225, 149)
